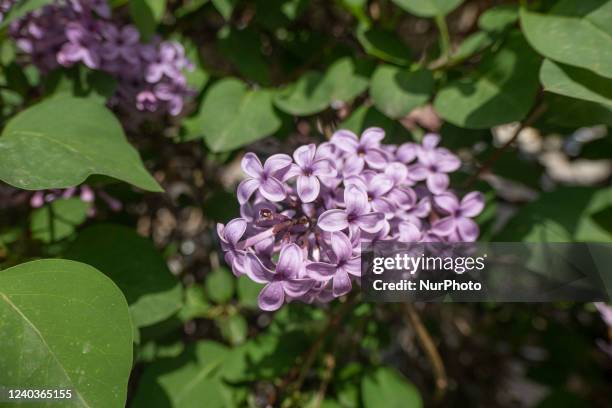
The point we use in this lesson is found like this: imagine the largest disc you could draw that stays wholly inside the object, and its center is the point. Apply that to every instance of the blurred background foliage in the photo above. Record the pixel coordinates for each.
(522, 92)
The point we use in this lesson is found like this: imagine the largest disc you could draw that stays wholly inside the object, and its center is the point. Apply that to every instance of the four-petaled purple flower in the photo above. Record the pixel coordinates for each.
(285, 280)
(433, 164)
(365, 150)
(308, 169)
(262, 178)
(343, 263)
(229, 235)
(458, 222)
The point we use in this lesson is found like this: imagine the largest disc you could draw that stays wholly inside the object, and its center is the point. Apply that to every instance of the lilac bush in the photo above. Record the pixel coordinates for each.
(149, 75)
(304, 218)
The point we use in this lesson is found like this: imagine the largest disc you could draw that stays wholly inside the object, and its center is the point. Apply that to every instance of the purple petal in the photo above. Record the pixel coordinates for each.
(406, 152)
(276, 163)
(342, 246)
(376, 158)
(356, 200)
(345, 140)
(234, 230)
(447, 202)
(418, 172)
(341, 283)
(448, 162)
(273, 190)
(304, 155)
(297, 287)
(430, 140)
(290, 261)
(472, 204)
(246, 188)
(333, 220)
(271, 297)
(409, 232)
(256, 271)
(370, 222)
(308, 188)
(353, 166)
(380, 184)
(383, 205)
(371, 137)
(323, 167)
(397, 172)
(444, 226)
(320, 271)
(437, 182)
(353, 266)
(251, 165)
(468, 229)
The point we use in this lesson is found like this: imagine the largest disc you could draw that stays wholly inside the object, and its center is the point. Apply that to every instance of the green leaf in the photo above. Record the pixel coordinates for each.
(472, 45)
(188, 7)
(563, 215)
(386, 384)
(21, 8)
(220, 285)
(81, 82)
(313, 92)
(428, 8)
(233, 328)
(225, 7)
(60, 142)
(384, 45)
(233, 116)
(501, 89)
(576, 83)
(396, 91)
(248, 291)
(368, 116)
(498, 18)
(576, 33)
(133, 263)
(571, 112)
(146, 15)
(196, 305)
(243, 49)
(64, 325)
(191, 380)
(67, 214)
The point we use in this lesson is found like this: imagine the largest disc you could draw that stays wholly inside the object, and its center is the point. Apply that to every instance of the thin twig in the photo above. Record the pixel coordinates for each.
(430, 349)
(444, 36)
(536, 112)
(328, 374)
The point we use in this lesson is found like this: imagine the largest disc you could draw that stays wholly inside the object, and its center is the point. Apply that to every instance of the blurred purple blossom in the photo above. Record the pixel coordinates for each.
(149, 75)
(314, 211)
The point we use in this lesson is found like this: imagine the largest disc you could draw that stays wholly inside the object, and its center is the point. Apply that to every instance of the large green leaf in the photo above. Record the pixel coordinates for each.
(21, 8)
(573, 32)
(314, 91)
(571, 112)
(396, 91)
(576, 83)
(384, 45)
(564, 215)
(501, 89)
(146, 15)
(428, 8)
(64, 325)
(134, 264)
(386, 384)
(191, 380)
(59, 219)
(60, 142)
(233, 116)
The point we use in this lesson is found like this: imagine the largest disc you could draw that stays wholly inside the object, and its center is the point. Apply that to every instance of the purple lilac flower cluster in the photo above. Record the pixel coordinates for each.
(304, 218)
(149, 75)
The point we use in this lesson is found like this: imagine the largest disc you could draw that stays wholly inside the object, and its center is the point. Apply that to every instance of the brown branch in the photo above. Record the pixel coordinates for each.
(430, 350)
(328, 374)
(536, 112)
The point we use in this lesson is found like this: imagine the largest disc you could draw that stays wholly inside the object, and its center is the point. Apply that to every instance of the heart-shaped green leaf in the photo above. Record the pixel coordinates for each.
(576, 83)
(501, 89)
(61, 141)
(133, 263)
(386, 384)
(428, 8)
(233, 116)
(573, 32)
(397, 91)
(64, 325)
